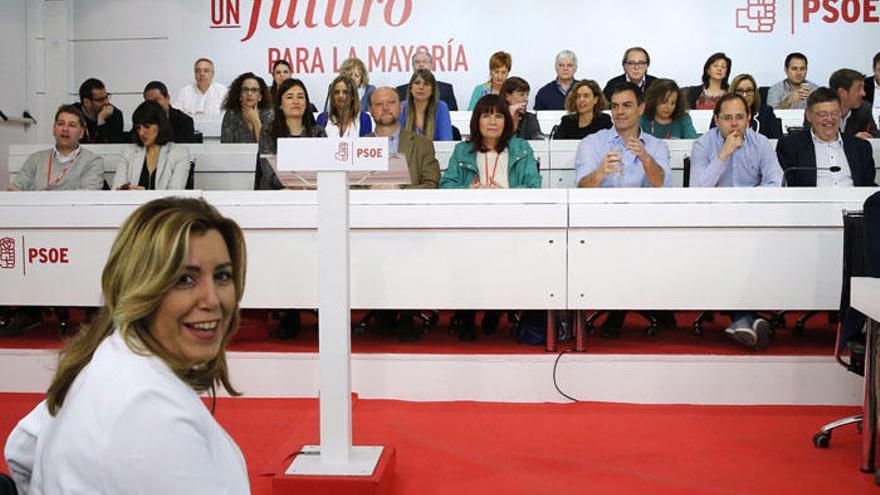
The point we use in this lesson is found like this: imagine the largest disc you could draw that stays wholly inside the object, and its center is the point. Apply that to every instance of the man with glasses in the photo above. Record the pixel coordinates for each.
(822, 156)
(103, 120)
(857, 119)
(423, 60)
(635, 70)
(792, 92)
(204, 96)
(733, 155)
(552, 95)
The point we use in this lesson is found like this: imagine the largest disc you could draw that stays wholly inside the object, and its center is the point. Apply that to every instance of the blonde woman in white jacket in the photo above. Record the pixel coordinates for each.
(152, 162)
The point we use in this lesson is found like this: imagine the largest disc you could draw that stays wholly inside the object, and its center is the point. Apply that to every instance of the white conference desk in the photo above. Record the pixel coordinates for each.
(409, 249)
(230, 167)
(217, 166)
(500, 249)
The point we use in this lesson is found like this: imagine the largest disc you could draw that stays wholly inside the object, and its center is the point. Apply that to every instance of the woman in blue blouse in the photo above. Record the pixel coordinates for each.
(424, 112)
(666, 114)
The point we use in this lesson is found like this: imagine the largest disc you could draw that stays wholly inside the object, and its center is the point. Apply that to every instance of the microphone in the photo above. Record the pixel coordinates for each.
(550, 138)
(27, 115)
(3, 115)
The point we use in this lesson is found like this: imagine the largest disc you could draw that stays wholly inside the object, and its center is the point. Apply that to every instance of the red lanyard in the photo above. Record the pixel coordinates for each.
(49, 181)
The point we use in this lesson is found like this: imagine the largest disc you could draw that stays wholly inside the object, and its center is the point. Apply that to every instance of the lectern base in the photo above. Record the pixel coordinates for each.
(370, 472)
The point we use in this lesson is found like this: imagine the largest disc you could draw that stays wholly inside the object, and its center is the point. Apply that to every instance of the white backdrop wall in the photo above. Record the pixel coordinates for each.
(129, 42)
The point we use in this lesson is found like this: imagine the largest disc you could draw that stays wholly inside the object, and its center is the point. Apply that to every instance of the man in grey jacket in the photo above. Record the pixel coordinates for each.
(65, 167)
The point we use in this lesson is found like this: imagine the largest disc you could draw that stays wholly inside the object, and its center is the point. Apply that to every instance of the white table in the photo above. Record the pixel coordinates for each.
(865, 297)
(230, 167)
(409, 249)
(217, 166)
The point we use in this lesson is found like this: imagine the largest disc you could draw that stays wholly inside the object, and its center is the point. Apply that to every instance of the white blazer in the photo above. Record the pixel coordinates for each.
(172, 168)
(128, 425)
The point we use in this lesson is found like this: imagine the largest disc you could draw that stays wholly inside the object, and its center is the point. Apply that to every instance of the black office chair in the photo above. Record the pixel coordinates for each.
(651, 330)
(762, 90)
(7, 486)
(851, 322)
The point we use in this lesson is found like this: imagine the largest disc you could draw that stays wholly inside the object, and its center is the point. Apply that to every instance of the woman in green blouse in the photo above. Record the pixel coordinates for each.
(666, 114)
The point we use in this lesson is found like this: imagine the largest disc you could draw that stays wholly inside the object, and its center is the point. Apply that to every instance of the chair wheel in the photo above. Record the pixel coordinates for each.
(799, 329)
(652, 331)
(64, 328)
(360, 329)
(822, 440)
(778, 321)
(698, 330)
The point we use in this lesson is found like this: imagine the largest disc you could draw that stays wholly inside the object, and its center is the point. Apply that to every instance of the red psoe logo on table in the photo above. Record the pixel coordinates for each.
(342, 153)
(758, 16)
(7, 253)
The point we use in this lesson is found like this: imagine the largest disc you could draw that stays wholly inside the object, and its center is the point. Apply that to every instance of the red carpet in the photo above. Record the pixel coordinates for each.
(255, 336)
(479, 448)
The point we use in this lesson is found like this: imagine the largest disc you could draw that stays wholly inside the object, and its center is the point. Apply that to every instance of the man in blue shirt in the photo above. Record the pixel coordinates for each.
(623, 156)
(733, 155)
(552, 95)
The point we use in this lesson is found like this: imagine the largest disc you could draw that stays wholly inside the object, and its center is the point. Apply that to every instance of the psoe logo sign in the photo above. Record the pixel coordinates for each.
(293, 14)
(7, 253)
(758, 16)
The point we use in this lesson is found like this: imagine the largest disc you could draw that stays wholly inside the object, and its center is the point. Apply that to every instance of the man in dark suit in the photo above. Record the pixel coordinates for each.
(424, 60)
(635, 70)
(856, 113)
(181, 123)
(844, 160)
(872, 81)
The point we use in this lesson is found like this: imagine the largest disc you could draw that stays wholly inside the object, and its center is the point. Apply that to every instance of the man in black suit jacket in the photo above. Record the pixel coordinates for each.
(635, 69)
(181, 123)
(798, 152)
(857, 118)
(424, 60)
(873, 80)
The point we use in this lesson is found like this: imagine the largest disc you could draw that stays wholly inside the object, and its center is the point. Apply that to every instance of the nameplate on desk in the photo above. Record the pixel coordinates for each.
(333, 154)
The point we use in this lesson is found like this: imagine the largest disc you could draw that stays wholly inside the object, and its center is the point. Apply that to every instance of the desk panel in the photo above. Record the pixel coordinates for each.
(749, 249)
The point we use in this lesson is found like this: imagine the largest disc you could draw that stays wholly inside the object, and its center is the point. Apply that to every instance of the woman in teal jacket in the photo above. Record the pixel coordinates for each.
(493, 158)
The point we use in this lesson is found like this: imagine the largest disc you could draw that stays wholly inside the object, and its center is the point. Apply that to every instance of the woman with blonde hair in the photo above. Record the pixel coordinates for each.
(424, 112)
(343, 117)
(764, 120)
(500, 64)
(355, 70)
(123, 411)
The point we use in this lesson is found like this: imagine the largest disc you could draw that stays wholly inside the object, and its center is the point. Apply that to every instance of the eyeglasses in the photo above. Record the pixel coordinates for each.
(633, 63)
(102, 99)
(743, 92)
(250, 90)
(728, 117)
(825, 115)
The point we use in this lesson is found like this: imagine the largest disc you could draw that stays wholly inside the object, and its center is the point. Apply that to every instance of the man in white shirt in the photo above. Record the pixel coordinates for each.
(204, 96)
